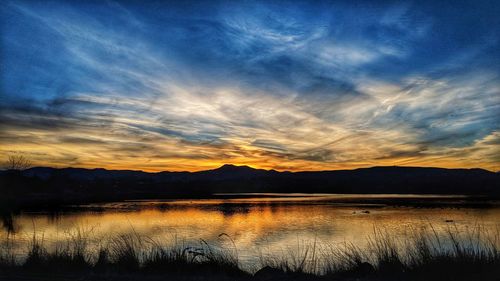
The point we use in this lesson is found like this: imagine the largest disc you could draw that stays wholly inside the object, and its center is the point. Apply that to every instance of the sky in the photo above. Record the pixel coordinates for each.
(285, 85)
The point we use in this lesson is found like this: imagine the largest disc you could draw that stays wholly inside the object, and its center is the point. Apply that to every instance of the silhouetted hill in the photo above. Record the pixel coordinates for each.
(101, 184)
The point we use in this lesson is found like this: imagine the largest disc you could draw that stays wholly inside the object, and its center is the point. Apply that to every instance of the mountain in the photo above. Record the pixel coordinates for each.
(101, 184)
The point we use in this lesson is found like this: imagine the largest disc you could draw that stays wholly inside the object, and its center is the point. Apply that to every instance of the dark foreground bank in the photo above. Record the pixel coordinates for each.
(424, 256)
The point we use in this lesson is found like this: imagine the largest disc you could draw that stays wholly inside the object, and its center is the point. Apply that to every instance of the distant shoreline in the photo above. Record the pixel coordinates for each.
(55, 187)
(348, 200)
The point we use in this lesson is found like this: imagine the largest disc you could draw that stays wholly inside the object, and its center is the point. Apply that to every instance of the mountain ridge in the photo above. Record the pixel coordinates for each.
(232, 167)
(81, 184)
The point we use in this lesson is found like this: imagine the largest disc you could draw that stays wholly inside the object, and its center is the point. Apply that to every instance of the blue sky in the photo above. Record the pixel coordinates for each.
(272, 84)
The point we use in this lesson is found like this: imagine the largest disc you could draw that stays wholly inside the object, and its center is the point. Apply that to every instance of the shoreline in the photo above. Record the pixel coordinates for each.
(340, 200)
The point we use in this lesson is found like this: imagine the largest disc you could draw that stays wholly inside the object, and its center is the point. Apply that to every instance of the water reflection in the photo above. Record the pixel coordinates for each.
(254, 225)
(8, 222)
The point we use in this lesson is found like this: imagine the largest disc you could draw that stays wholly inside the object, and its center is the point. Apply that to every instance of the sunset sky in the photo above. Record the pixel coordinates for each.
(271, 84)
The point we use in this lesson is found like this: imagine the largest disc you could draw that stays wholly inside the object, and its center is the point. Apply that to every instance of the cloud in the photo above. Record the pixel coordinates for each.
(310, 86)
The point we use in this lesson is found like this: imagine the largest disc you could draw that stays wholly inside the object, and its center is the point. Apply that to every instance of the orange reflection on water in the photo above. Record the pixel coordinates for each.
(254, 225)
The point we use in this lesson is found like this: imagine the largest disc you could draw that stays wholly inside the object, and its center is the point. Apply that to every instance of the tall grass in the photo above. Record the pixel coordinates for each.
(473, 254)
(7, 257)
(302, 258)
(425, 255)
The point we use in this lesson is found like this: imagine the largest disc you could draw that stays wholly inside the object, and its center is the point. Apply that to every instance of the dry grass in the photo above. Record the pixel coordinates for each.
(425, 255)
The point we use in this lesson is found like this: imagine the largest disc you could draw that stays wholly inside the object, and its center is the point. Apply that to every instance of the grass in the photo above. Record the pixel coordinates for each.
(425, 255)
(469, 255)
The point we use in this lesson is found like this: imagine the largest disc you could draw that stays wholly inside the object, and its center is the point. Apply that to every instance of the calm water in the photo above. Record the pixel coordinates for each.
(258, 225)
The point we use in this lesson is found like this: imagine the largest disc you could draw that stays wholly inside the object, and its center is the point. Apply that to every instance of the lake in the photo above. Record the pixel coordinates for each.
(257, 224)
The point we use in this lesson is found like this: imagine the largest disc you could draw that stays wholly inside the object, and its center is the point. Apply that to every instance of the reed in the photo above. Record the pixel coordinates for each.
(470, 255)
(425, 255)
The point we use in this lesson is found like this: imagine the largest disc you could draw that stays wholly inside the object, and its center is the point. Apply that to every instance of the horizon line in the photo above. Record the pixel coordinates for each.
(254, 168)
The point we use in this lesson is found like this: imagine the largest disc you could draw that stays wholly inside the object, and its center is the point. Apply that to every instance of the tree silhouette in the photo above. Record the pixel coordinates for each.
(18, 162)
